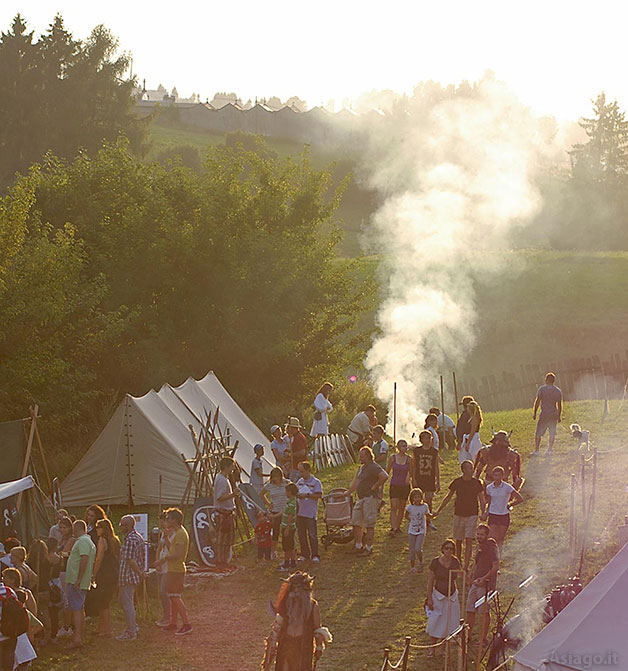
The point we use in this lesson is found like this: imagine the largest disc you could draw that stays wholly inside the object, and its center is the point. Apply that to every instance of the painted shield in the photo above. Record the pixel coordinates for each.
(204, 529)
(251, 500)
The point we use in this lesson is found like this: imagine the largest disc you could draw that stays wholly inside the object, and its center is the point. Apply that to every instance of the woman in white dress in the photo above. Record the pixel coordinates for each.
(443, 604)
(322, 405)
(471, 443)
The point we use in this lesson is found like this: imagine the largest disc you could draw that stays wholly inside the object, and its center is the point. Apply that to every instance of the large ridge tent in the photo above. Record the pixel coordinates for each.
(590, 633)
(145, 439)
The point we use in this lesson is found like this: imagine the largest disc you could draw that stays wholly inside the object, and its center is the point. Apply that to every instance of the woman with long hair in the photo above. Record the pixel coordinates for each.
(92, 515)
(105, 573)
(40, 563)
(322, 405)
(471, 443)
(443, 604)
(400, 465)
(274, 495)
(300, 637)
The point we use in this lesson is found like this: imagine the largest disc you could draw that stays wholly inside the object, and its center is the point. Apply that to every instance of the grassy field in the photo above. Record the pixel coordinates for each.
(372, 602)
(548, 307)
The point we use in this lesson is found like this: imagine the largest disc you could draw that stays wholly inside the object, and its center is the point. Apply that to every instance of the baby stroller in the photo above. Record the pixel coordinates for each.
(338, 507)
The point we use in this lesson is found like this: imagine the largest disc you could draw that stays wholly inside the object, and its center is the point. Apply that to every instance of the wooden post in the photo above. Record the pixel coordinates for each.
(406, 654)
(27, 456)
(572, 516)
(443, 445)
(160, 483)
(583, 478)
(462, 654)
(456, 397)
(41, 451)
(453, 572)
(395, 414)
(594, 477)
(385, 663)
(478, 658)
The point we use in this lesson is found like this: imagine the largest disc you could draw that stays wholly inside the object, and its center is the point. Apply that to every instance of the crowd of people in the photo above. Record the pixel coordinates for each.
(484, 495)
(48, 590)
(77, 571)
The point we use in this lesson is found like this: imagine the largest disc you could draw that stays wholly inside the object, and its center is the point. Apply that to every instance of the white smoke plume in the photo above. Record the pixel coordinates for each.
(457, 181)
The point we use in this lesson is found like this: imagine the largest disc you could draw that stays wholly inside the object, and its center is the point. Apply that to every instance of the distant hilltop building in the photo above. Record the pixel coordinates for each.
(227, 113)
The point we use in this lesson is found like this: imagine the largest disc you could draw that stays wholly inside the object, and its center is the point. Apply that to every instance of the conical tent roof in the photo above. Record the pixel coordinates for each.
(145, 439)
(590, 633)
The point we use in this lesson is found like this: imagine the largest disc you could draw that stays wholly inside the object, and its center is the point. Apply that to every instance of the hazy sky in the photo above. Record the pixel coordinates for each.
(555, 55)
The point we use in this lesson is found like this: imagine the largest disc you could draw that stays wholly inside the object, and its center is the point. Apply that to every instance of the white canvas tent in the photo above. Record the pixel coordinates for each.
(8, 489)
(145, 439)
(590, 633)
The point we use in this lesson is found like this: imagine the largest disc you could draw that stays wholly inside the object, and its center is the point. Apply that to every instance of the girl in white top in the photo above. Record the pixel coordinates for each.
(322, 405)
(501, 497)
(416, 512)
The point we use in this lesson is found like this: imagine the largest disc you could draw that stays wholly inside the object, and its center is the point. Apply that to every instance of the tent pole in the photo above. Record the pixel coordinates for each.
(27, 456)
(43, 455)
(128, 450)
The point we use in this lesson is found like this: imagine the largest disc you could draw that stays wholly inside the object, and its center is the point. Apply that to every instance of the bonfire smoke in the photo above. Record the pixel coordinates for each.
(457, 181)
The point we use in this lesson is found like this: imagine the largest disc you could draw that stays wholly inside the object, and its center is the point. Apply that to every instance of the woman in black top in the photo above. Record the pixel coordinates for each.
(105, 574)
(442, 594)
(39, 562)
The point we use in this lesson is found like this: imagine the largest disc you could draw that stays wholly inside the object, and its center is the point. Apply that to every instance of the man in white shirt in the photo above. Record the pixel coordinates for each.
(280, 447)
(450, 427)
(359, 430)
(224, 501)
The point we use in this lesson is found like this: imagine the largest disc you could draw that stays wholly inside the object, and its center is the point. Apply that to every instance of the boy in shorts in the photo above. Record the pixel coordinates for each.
(426, 474)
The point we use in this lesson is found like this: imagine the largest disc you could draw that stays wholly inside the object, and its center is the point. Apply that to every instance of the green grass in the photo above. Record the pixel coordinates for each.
(544, 308)
(369, 603)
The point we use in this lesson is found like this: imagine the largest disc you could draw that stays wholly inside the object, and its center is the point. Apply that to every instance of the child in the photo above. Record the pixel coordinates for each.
(262, 536)
(416, 512)
(288, 528)
(257, 468)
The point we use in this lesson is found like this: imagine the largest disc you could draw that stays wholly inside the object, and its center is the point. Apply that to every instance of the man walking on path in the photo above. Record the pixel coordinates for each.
(367, 484)
(470, 502)
(78, 578)
(132, 561)
(550, 398)
(310, 491)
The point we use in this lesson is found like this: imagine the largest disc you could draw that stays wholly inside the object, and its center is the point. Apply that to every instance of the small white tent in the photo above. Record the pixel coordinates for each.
(146, 437)
(590, 633)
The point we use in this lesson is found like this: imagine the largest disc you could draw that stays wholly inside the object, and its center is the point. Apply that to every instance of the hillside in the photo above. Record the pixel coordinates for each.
(543, 306)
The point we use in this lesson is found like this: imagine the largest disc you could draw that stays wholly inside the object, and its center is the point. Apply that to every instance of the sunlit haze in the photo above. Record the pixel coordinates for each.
(555, 57)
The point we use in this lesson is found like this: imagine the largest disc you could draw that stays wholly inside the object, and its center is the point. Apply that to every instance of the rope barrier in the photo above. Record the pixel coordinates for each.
(503, 664)
(454, 634)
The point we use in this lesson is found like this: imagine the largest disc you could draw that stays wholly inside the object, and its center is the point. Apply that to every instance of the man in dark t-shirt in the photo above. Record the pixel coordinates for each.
(426, 475)
(484, 578)
(470, 501)
(367, 484)
(550, 399)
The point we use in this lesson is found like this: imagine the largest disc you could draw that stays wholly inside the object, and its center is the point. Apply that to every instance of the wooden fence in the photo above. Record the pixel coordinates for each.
(580, 379)
(332, 450)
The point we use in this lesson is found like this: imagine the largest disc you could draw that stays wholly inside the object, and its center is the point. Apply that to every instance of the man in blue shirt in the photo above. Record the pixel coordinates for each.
(310, 491)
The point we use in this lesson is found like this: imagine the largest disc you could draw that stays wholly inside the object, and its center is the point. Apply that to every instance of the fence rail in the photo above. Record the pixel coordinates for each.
(584, 378)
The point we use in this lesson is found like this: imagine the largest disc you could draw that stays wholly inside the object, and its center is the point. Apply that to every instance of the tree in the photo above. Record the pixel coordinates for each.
(605, 155)
(172, 272)
(62, 94)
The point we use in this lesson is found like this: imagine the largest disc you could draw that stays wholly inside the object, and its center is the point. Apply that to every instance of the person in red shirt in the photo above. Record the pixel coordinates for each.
(263, 536)
(298, 447)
